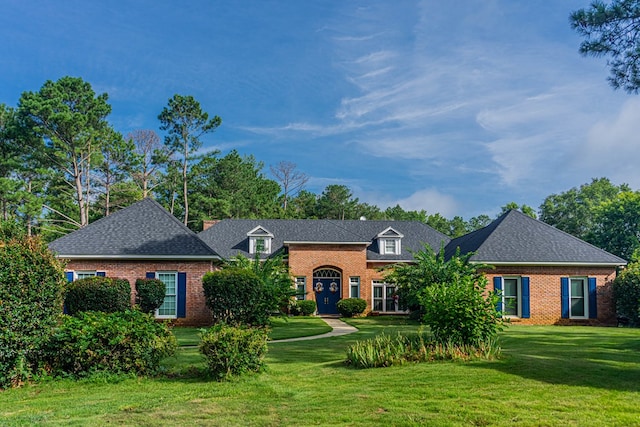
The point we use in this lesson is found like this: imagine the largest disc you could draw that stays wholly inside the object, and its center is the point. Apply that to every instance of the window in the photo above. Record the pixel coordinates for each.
(301, 288)
(259, 241)
(354, 287)
(511, 296)
(168, 309)
(578, 301)
(85, 274)
(389, 242)
(385, 298)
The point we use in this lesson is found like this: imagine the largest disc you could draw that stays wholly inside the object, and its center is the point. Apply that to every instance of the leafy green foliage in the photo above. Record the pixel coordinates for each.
(104, 294)
(350, 307)
(150, 294)
(236, 297)
(303, 307)
(611, 30)
(122, 342)
(458, 312)
(31, 286)
(626, 293)
(617, 227)
(384, 350)
(575, 210)
(527, 210)
(232, 350)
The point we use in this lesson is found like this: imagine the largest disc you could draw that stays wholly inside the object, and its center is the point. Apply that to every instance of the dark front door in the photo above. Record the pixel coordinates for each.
(327, 291)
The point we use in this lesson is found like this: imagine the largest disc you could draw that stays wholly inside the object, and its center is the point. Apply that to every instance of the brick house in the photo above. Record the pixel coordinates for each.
(144, 241)
(545, 275)
(329, 259)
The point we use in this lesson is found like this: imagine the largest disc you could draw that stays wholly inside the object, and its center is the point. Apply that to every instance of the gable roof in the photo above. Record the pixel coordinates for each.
(517, 239)
(144, 230)
(229, 237)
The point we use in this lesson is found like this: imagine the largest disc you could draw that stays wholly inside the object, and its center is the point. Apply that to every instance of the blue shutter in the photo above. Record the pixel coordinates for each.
(497, 288)
(593, 301)
(69, 275)
(564, 297)
(182, 295)
(150, 275)
(101, 273)
(526, 312)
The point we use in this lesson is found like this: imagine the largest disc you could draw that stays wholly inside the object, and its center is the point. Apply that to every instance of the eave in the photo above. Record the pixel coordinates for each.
(142, 257)
(549, 264)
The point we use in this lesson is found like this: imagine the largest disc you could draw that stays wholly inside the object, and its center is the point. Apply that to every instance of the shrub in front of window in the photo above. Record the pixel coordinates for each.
(104, 294)
(350, 307)
(460, 313)
(231, 350)
(125, 342)
(303, 307)
(150, 294)
(31, 288)
(236, 297)
(626, 293)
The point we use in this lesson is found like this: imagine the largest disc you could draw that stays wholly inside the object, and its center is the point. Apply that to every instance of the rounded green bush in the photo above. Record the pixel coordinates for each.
(233, 350)
(104, 294)
(150, 294)
(350, 307)
(305, 307)
(626, 293)
(31, 288)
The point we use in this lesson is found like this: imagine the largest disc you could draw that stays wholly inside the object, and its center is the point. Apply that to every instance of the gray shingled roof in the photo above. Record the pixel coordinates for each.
(229, 237)
(517, 238)
(142, 230)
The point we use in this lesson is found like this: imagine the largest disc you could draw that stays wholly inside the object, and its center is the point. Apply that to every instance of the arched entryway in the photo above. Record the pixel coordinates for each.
(327, 285)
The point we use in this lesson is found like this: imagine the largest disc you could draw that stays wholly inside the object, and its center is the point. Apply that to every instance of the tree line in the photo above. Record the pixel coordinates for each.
(63, 165)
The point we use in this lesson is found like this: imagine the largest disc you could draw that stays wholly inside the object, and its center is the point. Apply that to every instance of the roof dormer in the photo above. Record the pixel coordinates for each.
(390, 242)
(260, 240)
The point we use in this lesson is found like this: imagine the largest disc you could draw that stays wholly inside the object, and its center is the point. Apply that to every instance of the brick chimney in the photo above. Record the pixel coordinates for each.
(209, 223)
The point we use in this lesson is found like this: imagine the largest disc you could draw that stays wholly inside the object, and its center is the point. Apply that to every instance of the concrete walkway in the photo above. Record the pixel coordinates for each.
(339, 328)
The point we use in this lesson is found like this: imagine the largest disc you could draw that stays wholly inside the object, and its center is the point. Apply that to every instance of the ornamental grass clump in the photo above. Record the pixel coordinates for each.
(385, 350)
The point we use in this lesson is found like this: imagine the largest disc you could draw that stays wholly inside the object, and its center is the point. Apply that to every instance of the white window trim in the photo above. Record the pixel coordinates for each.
(168, 316)
(384, 285)
(253, 243)
(87, 273)
(519, 290)
(383, 246)
(301, 280)
(585, 298)
(354, 281)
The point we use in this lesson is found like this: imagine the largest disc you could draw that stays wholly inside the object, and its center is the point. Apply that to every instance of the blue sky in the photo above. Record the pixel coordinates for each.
(452, 107)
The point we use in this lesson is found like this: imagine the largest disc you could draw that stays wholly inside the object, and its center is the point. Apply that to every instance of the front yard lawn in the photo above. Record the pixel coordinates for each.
(547, 376)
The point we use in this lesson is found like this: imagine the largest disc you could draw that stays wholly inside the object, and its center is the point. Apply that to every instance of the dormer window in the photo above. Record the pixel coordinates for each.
(389, 242)
(259, 241)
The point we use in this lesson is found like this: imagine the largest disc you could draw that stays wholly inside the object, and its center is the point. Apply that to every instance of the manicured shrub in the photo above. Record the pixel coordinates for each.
(626, 293)
(104, 294)
(350, 307)
(31, 288)
(150, 294)
(303, 307)
(231, 350)
(236, 297)
(121, 342)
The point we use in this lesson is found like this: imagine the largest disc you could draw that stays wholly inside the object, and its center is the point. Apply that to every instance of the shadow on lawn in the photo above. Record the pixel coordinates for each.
(606, 358)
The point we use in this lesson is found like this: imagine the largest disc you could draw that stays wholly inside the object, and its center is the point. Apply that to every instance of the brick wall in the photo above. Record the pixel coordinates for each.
(545, 302)
(197, 313)
(350, 260)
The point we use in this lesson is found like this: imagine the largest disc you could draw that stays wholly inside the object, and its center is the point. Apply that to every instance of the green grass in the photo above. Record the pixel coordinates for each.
(552, 376)
(281, 328)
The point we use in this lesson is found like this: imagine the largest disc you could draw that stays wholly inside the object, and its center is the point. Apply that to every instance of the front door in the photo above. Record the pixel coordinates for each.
(327, 286)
